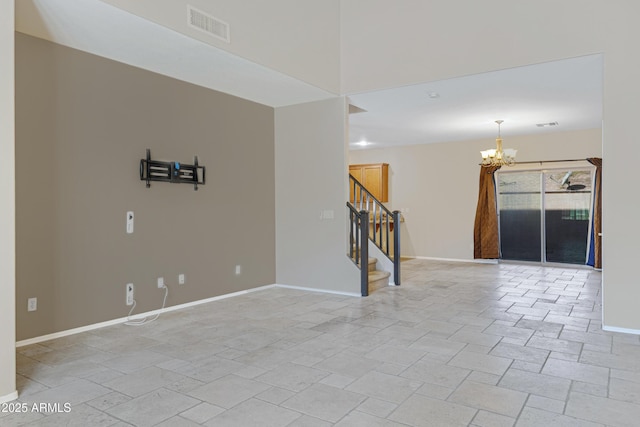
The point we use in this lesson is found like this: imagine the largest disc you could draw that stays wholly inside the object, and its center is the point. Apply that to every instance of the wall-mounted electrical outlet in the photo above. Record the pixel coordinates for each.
(32, 304)
(129, 291)
(238, 270)
(160, 282)
(181, 279)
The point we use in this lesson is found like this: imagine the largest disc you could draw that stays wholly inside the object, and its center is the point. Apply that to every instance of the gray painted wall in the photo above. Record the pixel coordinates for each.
(311, 178)
(82, 125)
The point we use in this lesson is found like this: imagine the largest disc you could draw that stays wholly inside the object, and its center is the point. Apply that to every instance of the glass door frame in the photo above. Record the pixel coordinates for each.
(543, 170)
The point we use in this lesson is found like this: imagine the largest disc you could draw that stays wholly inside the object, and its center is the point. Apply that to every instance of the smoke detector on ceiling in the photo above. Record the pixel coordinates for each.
(207, 23)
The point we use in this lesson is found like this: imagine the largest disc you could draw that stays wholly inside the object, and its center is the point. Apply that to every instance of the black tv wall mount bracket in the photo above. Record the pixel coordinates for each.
(176, 172)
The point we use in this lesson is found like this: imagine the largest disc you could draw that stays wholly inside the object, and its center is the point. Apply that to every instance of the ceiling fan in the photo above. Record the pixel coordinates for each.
(565, 181)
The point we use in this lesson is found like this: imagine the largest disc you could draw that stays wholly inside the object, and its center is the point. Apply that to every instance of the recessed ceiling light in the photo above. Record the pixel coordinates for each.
(363, 143)
(433, 95)
(542, 125)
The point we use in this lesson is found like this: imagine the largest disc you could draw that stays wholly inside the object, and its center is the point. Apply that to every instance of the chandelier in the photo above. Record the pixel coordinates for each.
(497, 156)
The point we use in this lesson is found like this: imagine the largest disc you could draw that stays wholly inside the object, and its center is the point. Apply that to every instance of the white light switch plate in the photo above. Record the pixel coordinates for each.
(130, 222)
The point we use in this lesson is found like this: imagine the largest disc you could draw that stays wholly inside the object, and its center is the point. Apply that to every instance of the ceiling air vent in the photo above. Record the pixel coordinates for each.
(209, 24)
(543, 125)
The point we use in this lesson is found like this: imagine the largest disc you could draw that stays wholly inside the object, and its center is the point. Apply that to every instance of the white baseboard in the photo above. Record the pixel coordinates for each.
(9, 397)
(621, 330)
(325, 291)
(134, 317)
(166, 310)
(475, 261)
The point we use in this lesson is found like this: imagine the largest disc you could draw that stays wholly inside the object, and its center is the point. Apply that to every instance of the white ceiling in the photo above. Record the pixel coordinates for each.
(99, 28)
(569, 91)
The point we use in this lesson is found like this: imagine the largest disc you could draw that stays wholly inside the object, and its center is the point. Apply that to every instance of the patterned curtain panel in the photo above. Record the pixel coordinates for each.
(595, 250)
(485, 232)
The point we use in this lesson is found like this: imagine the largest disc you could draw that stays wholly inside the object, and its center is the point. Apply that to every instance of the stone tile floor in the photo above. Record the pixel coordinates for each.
(456, 344)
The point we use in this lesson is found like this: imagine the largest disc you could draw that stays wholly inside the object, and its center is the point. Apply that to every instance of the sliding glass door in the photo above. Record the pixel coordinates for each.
(520, 207)
(544, 215)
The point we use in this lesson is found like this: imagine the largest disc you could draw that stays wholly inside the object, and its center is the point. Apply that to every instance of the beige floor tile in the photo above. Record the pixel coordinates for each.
(513, 332)
(432, 344)
(152, 408)
(28, 386)
(546, 404)
(377, 407)
(489, 419)
(552, 344)
(422, 411)
(519, 352)
(527, 366)
(570, 322)
(75, 393)
(606, 360)
(532, 417)
(275, 395)
(576, 371)
(429, 352)
(176, 421)
(202, 413)
(396, 354)
(626, 375)
(361, 419)
(469, 336)
(136, 360)
(109, 400)
(481, 362)
(83, 415)
(537, 384)
(435, 391)
(348, 365)
(446, 328)
(205, 369)
(601, 410)
(491, 398)
(324, 402)
(292, 377)
(483, 377)
(254, 412)
(228, 391)
(143, 381)
(589, 388)
(308, 421)
(335, 380)
(436, 373)
(384, 387)
(19, 418)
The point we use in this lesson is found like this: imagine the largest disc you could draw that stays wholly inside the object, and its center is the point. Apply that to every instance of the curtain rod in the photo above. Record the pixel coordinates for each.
(552, 161)
(547, 161)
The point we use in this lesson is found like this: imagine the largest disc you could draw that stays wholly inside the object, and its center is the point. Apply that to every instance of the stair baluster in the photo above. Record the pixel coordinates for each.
(377, 216)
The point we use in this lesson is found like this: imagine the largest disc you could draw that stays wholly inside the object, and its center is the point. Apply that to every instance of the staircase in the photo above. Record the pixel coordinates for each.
(377, 278)
(371, 221)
